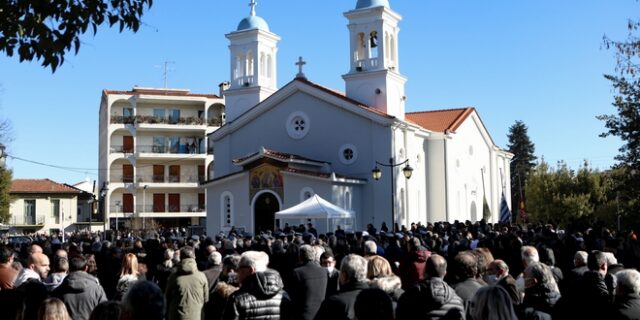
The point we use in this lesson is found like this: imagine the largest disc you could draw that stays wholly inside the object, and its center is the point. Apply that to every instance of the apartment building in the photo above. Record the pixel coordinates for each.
(43, 205)
(153, 154)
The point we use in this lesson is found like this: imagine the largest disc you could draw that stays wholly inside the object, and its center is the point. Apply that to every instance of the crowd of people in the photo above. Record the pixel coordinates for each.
(459, 270)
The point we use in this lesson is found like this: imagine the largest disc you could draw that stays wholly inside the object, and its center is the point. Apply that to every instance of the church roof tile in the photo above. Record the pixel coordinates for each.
(444, 121)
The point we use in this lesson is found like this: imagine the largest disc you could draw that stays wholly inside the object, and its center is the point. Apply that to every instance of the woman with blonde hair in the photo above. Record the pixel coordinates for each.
(381, 277)
(129, 274)
(53, 309)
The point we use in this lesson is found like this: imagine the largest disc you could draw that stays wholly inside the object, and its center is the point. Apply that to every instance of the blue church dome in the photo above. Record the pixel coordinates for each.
(253, 22)
(372, 3)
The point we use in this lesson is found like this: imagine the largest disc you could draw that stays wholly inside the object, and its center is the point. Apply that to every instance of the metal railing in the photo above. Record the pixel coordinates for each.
(182, 149)
(167, 208)
(120, 149)
(168, 179)
(194, 121)
(28, 220)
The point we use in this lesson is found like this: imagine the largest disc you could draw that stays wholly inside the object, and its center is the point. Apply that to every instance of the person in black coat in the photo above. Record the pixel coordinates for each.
(309, 283)
(498, 274)
(353, 277)
(627, 300)
(328, 262)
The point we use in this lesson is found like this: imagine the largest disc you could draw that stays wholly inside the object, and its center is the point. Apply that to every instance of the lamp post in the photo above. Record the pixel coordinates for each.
(144, 204)
(101, 202)
(3, 155)
(377, 174)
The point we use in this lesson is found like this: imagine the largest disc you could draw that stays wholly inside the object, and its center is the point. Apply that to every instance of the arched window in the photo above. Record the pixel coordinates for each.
(263, 64)
(226, 209)
(373, 44)
(269, 66)
(238, 69)
(250, 62)
(306, 193)
(347, 200)
(403, 206)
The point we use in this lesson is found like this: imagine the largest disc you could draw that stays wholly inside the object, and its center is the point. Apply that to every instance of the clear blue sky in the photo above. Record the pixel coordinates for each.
(537, 61)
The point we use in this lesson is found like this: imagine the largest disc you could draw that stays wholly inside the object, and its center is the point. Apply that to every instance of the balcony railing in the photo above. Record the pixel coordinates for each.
(168, 208)
(122, 119)
(181, 149)
(120, 149)
(27, 220)
(169, 179)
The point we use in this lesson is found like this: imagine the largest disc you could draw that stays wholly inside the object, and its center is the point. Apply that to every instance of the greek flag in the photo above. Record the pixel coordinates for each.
(505, 213)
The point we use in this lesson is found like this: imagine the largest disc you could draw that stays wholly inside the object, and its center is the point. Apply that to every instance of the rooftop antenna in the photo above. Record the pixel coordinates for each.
(165, 71)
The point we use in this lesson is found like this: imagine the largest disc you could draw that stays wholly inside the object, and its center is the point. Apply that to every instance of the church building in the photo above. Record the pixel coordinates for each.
(358, 150)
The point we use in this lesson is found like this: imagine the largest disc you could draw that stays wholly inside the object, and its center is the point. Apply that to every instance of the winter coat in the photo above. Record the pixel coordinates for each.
(467, 289)
(124, 284)
(81, 293)
(412, 269)
(308, 288)
(391, 285)
(430, 299)
(626, 307)
(340, 305)
(539, 303)
(214, 308)
(261, 296)
(187, 291)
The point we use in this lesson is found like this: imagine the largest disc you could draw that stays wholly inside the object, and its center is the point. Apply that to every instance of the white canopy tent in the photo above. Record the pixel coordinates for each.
(324, 215)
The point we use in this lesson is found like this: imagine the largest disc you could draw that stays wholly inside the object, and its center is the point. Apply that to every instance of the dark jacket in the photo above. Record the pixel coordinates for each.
(626, 307)
(539, 303)
(187, 291)
(340, 305)
(588, 298)
(81, 293)
(308, 288)
(332, 282)
(212, 274)
(430, 299)
(261, 296)
(390, 285)
(509, 284)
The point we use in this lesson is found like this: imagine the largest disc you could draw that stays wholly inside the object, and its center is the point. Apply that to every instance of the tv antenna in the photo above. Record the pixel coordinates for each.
(165, 71)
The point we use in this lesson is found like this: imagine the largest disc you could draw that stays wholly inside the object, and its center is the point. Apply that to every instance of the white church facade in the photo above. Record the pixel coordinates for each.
(281, 146)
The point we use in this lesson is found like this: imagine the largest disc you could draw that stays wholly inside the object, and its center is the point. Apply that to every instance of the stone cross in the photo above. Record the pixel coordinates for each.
(300, 64)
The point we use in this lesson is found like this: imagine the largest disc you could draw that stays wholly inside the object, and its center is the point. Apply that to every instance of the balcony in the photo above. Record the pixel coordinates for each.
(170, 178)
(120, 149)
(181, 149)
(150, 208)
(25, 220)
(122, 120)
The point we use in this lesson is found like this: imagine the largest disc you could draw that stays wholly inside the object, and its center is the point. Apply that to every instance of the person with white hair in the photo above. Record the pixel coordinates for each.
(261, 294)
(528, 255)
(308, 285)
(353, 279)
(627, 298)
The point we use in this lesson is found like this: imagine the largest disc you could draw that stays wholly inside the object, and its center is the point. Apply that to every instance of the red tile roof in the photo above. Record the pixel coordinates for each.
(40, 186)
(161, 92)
(440, 120)
(277, 155)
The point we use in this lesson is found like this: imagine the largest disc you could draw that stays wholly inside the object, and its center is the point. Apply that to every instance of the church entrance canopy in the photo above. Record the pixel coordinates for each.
(325, 216)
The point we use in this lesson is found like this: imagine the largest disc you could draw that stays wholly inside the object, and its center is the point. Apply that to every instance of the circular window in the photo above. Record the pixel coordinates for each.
(348, 154)
(298, 125)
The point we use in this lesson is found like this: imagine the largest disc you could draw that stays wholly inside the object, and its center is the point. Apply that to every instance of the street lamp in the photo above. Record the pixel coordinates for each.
(144, 204)
(101, 202)
(377, 174)
(3, 155)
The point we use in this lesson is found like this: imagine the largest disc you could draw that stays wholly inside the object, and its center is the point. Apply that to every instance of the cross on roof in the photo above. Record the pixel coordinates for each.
(253, 4)
(300, 64)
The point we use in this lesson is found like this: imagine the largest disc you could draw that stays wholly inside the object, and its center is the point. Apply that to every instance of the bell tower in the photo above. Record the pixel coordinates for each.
(374, 75)
(253, 50)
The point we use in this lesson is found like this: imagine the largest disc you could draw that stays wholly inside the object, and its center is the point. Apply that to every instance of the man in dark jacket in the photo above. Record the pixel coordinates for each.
(328, 262)
(187, 289)
(261, 294)
(589, 297)
(79, 290)
(627, 301)
(432, 298)
(465, 273)
(498, 274)
(353, 277)
(309, 283)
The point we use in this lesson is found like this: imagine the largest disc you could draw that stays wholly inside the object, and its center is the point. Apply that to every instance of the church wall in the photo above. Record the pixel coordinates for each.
(242, 214)
(469, 165)
(435, 179)
(330, 128)
(416, 208)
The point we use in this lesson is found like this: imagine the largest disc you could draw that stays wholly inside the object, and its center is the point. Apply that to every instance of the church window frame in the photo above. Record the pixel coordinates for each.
(298, 125)
(306, 193)
(348, 154)
(226, 210)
